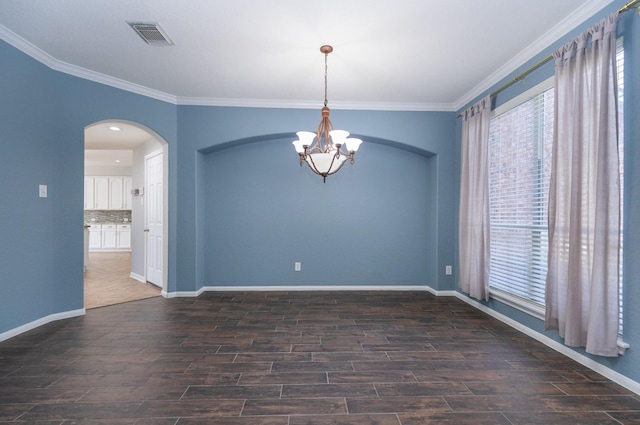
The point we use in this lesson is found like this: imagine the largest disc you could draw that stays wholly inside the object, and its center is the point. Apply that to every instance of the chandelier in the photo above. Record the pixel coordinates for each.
(327, 155)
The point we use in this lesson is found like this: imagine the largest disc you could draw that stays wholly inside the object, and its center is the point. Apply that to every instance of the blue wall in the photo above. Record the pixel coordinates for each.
(43, 114)
(629, 29)
(28, 131)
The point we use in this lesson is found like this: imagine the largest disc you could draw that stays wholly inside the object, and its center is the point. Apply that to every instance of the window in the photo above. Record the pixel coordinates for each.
(520, 139)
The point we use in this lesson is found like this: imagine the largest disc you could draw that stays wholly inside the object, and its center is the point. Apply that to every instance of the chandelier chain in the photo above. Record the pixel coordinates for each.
(325, 78)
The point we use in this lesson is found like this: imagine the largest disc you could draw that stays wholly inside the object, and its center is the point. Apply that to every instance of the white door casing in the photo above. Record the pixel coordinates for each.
(154, 202)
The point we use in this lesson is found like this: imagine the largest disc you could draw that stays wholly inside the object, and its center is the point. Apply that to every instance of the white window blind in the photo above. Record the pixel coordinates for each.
(519, 159)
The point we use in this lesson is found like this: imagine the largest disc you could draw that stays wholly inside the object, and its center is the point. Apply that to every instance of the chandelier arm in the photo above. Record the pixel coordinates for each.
(323, 138)
(343, 152)
(320, 135)
(314, 149)
(324, 175)
(338, 169)
(312, 166)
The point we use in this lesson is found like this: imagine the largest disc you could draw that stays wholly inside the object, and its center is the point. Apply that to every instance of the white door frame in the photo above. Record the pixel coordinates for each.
(164, 148)
(163, 213)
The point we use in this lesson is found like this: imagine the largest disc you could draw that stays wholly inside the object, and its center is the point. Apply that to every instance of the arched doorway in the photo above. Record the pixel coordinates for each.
(118, 213)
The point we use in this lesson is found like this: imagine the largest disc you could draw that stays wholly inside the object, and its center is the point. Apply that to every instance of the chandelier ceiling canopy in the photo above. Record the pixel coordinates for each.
(331, 148)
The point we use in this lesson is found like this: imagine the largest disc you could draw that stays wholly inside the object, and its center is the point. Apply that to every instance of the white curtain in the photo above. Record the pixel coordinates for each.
(473, 227)
(582, 286)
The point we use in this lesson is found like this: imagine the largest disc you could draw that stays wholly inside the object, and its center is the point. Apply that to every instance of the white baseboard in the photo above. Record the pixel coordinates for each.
(314, 288)
(182, 294)
(39, 322)
(110, 250)
(137, 277)
(199, 292)
(616, 377)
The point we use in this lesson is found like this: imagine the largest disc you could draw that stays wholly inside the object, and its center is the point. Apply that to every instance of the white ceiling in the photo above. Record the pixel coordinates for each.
(111, 144)
(396, 55)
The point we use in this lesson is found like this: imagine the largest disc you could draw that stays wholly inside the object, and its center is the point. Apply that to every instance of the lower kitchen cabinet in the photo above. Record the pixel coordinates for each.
(123, 236)
(110, 237)
(95, 237)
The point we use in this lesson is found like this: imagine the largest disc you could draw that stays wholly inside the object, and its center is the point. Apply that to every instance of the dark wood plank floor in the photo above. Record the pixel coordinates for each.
(298, 358)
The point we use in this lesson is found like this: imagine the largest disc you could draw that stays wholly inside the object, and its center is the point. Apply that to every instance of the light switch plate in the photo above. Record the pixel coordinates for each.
(42, 190)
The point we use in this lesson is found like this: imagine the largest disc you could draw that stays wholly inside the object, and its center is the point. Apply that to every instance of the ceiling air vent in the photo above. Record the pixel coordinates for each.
(152, 34)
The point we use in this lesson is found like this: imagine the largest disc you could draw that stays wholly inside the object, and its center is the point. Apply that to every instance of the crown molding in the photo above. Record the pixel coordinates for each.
(314, 104)
(245, 103)
(399, 107)
(568, 24)
(57, 65)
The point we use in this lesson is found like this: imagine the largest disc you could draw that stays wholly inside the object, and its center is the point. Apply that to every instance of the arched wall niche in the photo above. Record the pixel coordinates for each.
(372, 224)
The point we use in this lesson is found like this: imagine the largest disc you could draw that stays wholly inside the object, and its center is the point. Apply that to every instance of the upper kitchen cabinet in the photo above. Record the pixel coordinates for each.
(107, 193)
(89, 193)
(127, 198)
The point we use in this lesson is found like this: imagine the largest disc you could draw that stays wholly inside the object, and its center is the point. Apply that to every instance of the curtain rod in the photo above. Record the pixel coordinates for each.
(548, 58)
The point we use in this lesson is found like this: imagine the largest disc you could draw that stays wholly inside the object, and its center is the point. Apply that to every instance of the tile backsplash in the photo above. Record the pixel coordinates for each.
(107, 216)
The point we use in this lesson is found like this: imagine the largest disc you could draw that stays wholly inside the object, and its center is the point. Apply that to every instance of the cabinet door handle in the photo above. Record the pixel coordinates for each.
(146, 230)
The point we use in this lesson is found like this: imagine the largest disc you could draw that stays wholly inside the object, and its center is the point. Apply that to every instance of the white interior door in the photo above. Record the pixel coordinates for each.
(153, 197)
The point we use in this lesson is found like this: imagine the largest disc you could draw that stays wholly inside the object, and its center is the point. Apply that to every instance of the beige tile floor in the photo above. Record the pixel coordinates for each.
(107, 281)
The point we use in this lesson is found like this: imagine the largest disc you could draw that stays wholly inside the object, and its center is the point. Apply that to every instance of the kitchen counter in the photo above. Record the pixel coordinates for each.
(96, 223)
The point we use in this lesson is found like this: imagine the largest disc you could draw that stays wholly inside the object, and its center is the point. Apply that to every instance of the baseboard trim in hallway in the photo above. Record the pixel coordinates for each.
(41, 322)
(137, 277)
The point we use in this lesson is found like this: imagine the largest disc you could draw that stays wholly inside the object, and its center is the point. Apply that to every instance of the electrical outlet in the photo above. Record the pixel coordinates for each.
(448, 270)
(297, 266)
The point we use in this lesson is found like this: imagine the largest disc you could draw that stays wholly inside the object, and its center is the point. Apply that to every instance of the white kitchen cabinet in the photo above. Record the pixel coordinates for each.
(95, 236)
(107, 193)
(127, 198)
(123, 236)
(109, 236)
(89, 193)
(115, 193)
(86, 246)
(101, 193)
